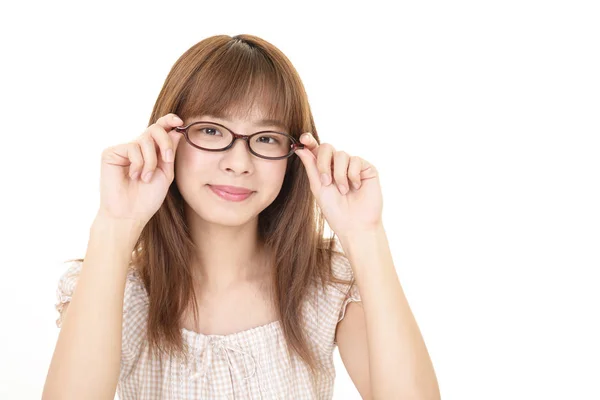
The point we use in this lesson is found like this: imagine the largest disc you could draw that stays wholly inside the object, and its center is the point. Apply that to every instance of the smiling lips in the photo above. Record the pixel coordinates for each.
(231, 193)
(232, 189)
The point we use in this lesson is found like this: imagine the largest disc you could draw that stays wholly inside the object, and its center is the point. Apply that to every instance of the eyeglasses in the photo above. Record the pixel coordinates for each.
(210, 136)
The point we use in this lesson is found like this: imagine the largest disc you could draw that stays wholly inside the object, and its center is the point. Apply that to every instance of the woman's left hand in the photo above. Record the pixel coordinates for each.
(346, 208)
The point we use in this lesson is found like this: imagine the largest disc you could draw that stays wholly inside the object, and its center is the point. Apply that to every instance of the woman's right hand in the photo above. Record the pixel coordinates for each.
(125, 194)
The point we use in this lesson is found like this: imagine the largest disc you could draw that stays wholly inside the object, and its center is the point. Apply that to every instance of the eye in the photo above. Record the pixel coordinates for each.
(209, 131)
(267, 141)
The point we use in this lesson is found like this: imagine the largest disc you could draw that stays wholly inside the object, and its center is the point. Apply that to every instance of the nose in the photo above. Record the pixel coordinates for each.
(238, 157)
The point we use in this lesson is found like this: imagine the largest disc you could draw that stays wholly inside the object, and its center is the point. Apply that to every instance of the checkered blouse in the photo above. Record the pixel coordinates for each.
(251, 364)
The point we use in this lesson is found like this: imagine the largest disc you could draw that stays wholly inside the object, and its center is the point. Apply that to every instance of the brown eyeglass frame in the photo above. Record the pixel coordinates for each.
(295, 143)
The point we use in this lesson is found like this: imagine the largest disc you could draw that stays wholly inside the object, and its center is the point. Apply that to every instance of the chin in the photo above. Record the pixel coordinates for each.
(229, 218)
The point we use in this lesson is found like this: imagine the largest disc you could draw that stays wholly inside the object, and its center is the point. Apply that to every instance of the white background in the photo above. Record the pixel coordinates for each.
(482, 118)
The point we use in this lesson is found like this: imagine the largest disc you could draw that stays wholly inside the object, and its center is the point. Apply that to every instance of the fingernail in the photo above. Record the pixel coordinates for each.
(177, 119)
(305, 136)
(325, 179)
(356, 185)
(343, 189)
(147, 176)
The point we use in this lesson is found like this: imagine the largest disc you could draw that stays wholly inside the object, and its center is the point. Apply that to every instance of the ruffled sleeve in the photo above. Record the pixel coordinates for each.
(135, 309)
(342, 269)
(327, 306)
(66, 286)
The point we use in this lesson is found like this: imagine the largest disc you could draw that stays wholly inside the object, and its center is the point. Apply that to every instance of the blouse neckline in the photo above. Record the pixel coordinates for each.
(273, 325)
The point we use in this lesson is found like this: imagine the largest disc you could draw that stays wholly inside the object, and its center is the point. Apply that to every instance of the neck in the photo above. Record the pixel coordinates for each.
(226, 255)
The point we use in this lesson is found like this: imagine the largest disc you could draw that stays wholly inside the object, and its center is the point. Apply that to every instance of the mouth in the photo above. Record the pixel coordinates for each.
(231, 193)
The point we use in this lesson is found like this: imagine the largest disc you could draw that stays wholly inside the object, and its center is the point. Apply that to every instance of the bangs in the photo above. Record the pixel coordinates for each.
(239, 80)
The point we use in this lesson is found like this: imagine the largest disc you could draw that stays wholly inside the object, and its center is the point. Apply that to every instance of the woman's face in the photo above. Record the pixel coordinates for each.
(197, 170)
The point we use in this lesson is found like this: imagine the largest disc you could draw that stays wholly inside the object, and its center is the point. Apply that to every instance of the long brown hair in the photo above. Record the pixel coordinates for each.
(224, 75)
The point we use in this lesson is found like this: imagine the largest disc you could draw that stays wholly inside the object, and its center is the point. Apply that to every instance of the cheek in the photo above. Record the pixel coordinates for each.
(190, 164)
(269, 180)
(272, 176)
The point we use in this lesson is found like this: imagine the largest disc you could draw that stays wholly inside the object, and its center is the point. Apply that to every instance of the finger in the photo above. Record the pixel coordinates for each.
(367, 170)
(175, 137)
(149, 148)
(134, 153)
(169, 167)
(340, 170)
(354, 169)
(324, 160)
(310, 142)
(310, 164)
(167, 143)
(163, 141)
(167, 123)
(125, 155)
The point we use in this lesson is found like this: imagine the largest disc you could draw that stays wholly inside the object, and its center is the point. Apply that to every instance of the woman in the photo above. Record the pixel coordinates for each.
(207, 274)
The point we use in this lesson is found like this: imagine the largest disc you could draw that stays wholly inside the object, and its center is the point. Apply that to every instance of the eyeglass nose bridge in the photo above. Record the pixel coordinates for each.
(237, 136)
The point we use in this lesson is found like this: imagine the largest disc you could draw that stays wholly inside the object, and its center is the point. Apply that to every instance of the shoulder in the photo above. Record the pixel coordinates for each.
(135, 298)
(135, 311)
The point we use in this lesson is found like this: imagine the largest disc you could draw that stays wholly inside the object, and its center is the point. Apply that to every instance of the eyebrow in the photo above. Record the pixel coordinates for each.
(259, 122)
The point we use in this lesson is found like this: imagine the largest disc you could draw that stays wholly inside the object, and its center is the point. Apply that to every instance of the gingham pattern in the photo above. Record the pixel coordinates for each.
(251, 364)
